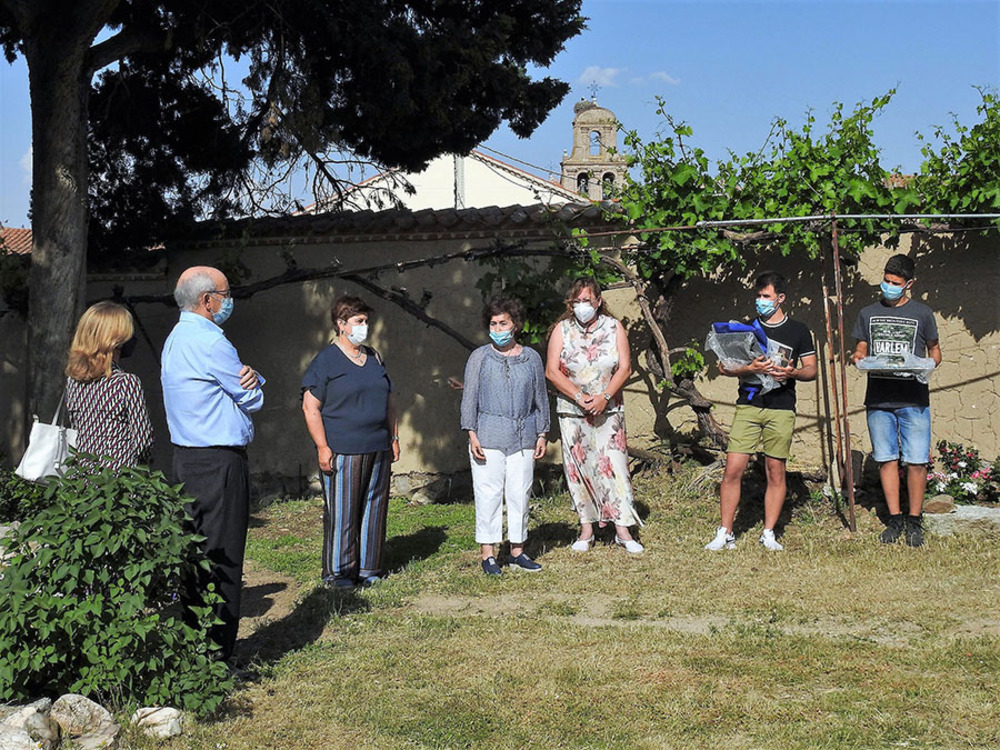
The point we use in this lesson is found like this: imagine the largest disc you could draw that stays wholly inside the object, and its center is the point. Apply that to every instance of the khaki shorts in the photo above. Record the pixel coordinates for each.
(771, 427)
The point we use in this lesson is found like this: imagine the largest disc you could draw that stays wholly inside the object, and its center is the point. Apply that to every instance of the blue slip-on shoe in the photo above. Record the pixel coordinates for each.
(525, 563)
(491, 567)
(340, 584)
(371, 581)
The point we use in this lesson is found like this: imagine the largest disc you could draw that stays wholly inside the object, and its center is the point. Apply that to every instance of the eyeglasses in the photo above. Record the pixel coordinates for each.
(222, 292)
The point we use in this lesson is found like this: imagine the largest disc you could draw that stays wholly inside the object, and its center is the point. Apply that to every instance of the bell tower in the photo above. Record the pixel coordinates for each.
(590, 169)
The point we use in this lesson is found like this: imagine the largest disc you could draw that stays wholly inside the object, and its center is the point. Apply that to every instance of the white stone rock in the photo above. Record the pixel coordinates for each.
(77, 715)
(102, 739)
(41, 727)
(15, 716)
(975, 520)
(159, 722)
(16, 739)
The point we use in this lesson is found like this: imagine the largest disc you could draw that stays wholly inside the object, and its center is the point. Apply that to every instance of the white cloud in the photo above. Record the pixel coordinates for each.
(25, 164)
(600, 76)
(665, 77)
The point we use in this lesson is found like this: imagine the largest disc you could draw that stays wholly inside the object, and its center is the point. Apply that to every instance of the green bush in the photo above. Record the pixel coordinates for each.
(91, 599)
(18, 498)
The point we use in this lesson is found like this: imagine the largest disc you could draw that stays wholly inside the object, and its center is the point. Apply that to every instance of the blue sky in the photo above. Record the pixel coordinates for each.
(727, 68)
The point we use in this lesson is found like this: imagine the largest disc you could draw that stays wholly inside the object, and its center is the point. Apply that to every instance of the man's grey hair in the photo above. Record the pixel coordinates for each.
(189, 291)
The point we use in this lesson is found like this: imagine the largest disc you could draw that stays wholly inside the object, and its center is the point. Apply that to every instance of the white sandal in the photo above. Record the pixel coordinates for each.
(631, 545)
(582, 545)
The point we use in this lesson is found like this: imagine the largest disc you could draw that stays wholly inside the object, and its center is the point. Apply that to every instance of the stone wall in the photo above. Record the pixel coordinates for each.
(279, 331)
(956, 278)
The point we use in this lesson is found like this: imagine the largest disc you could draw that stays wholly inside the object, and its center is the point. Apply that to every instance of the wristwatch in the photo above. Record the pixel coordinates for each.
(606, 397)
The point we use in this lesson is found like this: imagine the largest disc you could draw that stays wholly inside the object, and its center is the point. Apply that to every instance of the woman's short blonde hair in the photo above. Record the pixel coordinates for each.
(103, 328)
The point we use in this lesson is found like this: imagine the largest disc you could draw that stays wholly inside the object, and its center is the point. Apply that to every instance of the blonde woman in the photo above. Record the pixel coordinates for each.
(106, 405)
(588, 362)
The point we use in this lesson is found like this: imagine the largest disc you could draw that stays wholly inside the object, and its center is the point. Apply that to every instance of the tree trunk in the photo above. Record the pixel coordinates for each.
(708, 426)
(60, 86)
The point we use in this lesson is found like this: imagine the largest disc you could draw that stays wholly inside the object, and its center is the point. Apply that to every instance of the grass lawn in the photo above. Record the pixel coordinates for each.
(836, 642)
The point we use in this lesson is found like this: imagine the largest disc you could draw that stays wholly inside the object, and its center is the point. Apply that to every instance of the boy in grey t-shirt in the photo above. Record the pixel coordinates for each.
(897, 404)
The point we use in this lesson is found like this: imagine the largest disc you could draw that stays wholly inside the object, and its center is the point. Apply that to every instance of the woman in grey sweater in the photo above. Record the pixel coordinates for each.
(505, 410)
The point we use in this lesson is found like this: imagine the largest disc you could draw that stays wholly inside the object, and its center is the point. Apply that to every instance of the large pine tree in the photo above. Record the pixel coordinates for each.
(135, 123)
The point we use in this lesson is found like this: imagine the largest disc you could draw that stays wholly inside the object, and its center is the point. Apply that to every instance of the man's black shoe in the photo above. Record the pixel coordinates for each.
(241, 671)
(914, 531)
(893, 530)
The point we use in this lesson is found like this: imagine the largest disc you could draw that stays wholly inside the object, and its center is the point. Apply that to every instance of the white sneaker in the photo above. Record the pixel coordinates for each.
(631, 545)
(582, 545)
(769, 542)
(724, 539)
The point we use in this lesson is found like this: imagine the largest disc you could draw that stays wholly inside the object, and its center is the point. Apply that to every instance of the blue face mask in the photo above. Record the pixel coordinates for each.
(502, 338)
(766, 307)
(891, 292)
(224, 312)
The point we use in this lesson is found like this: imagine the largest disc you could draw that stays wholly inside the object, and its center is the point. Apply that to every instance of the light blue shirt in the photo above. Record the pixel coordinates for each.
(200, 373)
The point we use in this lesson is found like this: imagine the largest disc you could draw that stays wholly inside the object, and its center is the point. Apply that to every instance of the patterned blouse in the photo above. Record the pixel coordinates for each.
(110, 417)
(589, 359)
(504, 400)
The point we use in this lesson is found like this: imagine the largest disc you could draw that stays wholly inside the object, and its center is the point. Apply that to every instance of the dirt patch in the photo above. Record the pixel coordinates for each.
(267, 597)
(604, 611)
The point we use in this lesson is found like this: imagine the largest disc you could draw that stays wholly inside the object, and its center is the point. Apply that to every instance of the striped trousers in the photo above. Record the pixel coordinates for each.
(356, 502)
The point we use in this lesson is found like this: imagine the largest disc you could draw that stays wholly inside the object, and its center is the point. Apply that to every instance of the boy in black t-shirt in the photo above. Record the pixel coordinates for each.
(897, 404)
(767, 418)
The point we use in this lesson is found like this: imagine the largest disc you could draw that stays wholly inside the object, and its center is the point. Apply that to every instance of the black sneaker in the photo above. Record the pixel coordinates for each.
(491, 567)
(914, 531)
(893, 530)
(525, 563)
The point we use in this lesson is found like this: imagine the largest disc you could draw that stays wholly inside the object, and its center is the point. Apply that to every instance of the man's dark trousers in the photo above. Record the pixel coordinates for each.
(218, 479)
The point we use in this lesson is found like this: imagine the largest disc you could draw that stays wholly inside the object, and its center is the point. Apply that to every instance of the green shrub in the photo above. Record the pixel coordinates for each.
(18, 498)
(91, 599)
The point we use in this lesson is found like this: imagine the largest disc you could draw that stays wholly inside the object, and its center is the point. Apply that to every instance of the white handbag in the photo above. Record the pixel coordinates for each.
(48, 449)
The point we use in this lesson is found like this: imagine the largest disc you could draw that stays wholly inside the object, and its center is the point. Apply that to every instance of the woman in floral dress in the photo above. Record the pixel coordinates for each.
(588, 362)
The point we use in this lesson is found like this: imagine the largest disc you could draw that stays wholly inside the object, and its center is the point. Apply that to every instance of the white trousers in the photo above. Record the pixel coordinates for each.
(494, 480)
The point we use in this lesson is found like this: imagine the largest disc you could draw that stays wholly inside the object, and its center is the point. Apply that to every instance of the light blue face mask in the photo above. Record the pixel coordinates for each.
(766, 307)
(891, 292)
(224, 312)
(502, 338)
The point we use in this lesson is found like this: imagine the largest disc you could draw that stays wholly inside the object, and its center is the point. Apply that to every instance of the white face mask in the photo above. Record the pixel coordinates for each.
(584, 312)
(358, 334)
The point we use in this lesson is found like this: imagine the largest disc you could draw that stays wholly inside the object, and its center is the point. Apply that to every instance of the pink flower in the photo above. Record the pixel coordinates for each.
(579, 453)
(609, 511)
(619, 441)
(572, 474)
(604, 467)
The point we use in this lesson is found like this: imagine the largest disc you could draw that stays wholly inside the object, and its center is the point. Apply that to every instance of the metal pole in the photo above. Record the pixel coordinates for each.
(849, 462)
(832, 376)
(822, 217)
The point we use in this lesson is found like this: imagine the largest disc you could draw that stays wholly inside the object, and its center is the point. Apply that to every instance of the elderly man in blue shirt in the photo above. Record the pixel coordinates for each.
(209, 395)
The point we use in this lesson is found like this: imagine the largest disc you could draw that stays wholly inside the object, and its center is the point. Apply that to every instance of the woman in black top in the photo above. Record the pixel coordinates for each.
(348, 407)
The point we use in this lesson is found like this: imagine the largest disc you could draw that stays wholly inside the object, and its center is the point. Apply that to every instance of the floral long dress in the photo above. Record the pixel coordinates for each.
(595, 457)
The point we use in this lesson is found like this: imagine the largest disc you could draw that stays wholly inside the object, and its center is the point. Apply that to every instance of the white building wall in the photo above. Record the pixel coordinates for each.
(481, 183)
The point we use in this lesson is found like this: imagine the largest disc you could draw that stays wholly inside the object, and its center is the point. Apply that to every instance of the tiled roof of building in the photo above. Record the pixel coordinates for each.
(391, 224)
(402, 224)
(15, 240)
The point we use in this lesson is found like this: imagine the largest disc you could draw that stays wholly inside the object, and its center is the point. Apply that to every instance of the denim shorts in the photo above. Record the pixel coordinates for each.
(909, 427)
